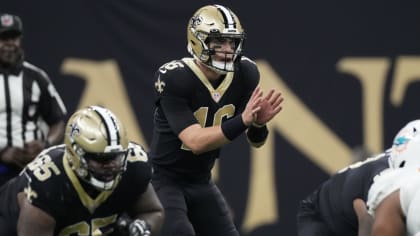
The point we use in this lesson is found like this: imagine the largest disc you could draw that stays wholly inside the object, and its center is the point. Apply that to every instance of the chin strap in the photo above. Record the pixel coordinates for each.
(223, 66)
(100, 184)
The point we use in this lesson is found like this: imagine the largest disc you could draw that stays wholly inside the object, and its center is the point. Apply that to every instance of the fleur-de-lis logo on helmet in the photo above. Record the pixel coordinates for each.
(196, 20)
(74, 130)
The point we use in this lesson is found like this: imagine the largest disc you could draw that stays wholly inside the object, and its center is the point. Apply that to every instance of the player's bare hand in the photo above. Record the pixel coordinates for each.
(271, 105)
(252, 107)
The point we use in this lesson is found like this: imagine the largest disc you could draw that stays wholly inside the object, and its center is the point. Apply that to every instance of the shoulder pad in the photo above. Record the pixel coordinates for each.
(245, 59)
(173, 79)
(171, 66)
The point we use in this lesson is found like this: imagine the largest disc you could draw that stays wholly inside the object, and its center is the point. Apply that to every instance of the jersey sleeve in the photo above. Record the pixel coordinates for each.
(173, 88)
(138, 167)
(44, 189)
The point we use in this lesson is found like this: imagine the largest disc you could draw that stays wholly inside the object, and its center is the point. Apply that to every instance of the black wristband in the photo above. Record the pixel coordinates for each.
(257, 134)
(234, 127)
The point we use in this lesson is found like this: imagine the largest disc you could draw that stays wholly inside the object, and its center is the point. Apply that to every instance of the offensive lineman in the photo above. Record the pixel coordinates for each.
(84, 186)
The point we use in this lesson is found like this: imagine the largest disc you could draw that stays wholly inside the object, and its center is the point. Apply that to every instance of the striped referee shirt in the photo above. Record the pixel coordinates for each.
(28, 99)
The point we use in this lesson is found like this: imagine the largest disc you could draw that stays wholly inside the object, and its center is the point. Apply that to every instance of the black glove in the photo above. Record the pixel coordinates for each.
(139, 228)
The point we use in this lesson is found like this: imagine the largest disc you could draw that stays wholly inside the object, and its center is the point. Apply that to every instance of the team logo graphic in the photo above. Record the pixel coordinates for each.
(30, 193)
(74, 130)
(216, 96)
(196, 20)
(401, 142)
(6, 20)
(403, 139)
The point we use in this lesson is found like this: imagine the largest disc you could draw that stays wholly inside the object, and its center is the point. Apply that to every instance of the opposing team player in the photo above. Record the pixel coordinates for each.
(394, 198)
(329, 209)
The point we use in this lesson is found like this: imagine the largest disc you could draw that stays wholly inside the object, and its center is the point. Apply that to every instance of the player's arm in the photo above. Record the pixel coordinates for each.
(200, 139)
(364, 219)
(389, 218)
(149, 209)
(32, 220)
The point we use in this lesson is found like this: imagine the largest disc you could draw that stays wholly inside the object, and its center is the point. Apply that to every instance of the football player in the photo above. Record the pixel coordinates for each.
(203, 103)
(394, 198)
(97, 183)
(395, 211)
(330, 210)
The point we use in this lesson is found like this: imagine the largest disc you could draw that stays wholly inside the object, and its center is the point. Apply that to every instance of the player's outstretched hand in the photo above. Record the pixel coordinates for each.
(252, 107)
(270, 106)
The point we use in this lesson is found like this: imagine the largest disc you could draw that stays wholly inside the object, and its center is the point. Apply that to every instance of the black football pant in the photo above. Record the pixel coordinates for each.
(309, 220)
(193, 209)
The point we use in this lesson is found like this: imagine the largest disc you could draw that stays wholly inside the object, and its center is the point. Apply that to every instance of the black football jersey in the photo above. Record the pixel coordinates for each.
(185, 97)
(336, 195)
(51, 185)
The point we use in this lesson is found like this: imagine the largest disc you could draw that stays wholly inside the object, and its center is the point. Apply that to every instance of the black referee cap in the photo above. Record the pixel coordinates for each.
(10, 23)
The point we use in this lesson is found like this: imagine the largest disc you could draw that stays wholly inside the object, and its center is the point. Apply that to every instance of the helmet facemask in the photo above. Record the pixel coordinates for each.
(102, 170)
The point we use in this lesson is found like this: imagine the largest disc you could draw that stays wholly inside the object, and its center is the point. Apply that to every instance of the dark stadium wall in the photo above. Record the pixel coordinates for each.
(349, 71)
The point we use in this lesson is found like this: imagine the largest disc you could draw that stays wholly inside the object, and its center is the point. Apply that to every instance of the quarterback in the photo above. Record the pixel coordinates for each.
(202, 103)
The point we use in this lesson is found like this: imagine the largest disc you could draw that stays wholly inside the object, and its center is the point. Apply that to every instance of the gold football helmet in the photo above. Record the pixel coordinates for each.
(214, 21)
(96, 146)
